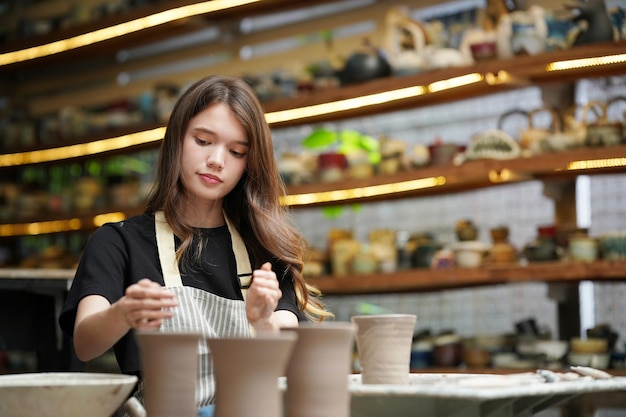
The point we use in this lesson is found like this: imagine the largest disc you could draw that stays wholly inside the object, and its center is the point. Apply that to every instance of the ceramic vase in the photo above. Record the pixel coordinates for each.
(317, 374)
(384, 347)
(247, 371)
(169, 366)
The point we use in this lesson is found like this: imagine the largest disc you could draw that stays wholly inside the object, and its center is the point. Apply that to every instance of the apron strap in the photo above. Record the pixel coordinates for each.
(167, 251)
(169, 264)
(244, 269)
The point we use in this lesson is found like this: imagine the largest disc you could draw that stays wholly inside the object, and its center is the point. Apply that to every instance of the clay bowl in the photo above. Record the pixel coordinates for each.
(476, 357)
(484, 51)
(469, 254)
(67, 394)
(589, 345)
(554, 350)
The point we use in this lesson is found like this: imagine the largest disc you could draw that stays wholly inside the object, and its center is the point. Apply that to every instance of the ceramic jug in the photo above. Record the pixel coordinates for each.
(317, 374)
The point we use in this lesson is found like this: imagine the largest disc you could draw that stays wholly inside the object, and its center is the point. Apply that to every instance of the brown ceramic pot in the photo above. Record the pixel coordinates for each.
(247, 372)
(317, 374)
(169, 366)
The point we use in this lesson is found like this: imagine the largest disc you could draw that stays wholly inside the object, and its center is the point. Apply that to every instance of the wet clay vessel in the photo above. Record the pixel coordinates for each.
(317, 374)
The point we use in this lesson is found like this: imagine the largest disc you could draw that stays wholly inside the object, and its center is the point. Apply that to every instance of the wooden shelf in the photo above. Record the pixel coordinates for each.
(469, 176)
(84, 217)
(522, 70)
(136, 39)
(421, 280)
(477, 174)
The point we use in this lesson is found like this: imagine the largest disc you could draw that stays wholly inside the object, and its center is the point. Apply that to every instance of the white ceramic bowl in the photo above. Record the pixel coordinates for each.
(66, 394)
(554, 350)
(594, 360)
(469, 254)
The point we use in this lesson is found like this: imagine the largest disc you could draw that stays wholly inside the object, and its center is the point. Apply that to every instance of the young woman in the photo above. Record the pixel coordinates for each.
(214, 251)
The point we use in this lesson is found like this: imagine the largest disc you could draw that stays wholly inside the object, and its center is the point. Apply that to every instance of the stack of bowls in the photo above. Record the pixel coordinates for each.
(593, 352)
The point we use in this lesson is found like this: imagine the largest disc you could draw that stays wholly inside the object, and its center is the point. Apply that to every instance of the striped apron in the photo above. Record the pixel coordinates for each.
(199, 311)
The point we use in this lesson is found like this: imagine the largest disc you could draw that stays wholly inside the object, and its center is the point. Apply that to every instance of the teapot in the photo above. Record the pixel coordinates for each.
(621, 111)
(405, 40)
(365, 64)
(536, 140)
(602, 131)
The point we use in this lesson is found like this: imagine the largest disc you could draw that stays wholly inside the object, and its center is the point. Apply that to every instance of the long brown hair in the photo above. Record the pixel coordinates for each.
(253, 205)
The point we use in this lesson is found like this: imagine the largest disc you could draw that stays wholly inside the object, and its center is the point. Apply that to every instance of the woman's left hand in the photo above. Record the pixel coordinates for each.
(262, 298)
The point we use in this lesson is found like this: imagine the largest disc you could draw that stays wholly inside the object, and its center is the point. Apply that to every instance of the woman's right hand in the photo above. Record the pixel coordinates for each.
(145, 304)
(99, 324)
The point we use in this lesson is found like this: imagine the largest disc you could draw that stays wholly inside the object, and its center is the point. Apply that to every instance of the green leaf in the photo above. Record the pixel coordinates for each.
(369, 143)
(374, 158)
(332, 212)
(357, 207)
(350, 136)
(320, 138)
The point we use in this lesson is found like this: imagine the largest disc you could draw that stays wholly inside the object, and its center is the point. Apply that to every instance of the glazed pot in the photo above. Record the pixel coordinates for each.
(583, 248)
(466, 230)
(502, 253)
(448, 350)
(542, 249)
(469, 254)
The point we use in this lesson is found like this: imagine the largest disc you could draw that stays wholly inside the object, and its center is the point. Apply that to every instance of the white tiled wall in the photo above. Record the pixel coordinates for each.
(522, 207)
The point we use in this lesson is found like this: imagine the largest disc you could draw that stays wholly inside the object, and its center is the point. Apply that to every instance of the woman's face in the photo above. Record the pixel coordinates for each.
(215, 154)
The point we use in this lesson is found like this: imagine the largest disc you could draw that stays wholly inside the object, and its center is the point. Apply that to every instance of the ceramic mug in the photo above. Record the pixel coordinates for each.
(583, 249)
(384, 346)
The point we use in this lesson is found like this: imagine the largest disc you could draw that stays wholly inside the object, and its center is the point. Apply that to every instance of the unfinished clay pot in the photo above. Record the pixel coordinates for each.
(317, 374)
(169, 366)
(384, 345)
(247, 371)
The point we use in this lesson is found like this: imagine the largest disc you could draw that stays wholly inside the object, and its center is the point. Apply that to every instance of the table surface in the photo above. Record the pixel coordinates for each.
(471, 395)
(485, 386)
(22, 273)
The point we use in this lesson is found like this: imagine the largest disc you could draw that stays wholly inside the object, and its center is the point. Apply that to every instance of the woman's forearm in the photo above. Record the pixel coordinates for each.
(99, 325)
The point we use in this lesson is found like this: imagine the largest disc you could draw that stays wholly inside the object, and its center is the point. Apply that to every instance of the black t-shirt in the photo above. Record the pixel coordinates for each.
(120, 254)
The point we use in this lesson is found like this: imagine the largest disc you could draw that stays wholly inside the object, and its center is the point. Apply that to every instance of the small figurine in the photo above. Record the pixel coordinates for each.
(593, 20)
(523, 31)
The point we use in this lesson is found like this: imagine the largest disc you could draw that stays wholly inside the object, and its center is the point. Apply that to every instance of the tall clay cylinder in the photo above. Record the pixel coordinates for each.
(169, 366)
(317, 374)
(384, 346)
(247, 371)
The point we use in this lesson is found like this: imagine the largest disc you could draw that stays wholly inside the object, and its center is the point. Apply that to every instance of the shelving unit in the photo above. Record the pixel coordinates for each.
(521, 71)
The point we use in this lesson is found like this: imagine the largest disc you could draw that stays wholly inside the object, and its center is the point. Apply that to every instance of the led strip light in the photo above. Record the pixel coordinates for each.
(361, 192)
(121, 29)
(56, 226)
(586, 62)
